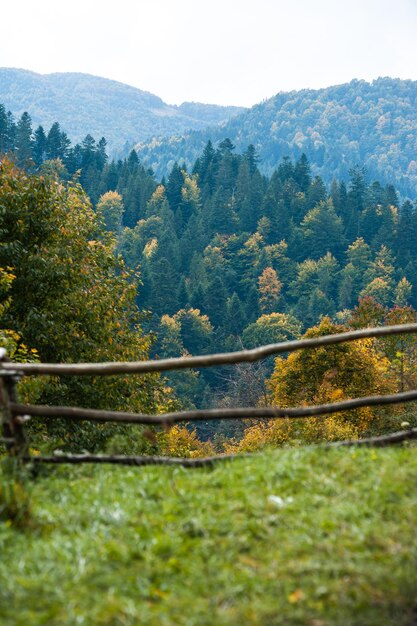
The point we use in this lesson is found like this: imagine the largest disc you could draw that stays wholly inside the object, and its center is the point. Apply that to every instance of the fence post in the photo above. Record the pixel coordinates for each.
(14, 436)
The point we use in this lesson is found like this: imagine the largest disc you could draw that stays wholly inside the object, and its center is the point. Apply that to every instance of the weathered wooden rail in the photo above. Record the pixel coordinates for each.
(14, 415)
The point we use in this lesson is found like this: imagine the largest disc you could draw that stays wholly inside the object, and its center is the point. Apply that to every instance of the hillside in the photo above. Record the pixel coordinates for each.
(171, 546)
(371, 124)
(230, 258)
(88, 104)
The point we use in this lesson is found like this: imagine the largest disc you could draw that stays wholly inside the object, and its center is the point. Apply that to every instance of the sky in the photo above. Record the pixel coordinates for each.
(215, 51)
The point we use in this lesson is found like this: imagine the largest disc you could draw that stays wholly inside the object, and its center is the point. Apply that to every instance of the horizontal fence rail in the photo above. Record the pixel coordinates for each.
(140, 461)
(14, 415)
(209, 360)
(137, 461)
(120, 417)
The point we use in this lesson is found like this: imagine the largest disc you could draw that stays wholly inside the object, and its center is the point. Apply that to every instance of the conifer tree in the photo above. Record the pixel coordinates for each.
(302, 173)
(7, 131)
(235, 318)
(24, 145)
(222, 217)
(174, 187)
(215, 298)
(183, 296)
(251, 157)
(356, 201)
(4, 130)
(316, 193)
(133, 160)
(54, 143)
(39, 146)
(323, 231)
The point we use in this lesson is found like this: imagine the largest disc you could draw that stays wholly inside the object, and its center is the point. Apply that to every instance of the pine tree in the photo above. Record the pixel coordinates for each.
(251, 157)
(183, 296)
(215, 298)
(345, 300)
(406, 235)
(24, 146)
(88, 152)
(163, 294)
(275, 210)
(302, 173)
(133, 160)
(174, 187)
(316, 193)
(7, 131)
(54, 143)
(285, 170)
(39, 146)
(235, 318)
(226, 146)
(222, 216)
(101, 154)
(356, 201)
(246, 213)
(206, 170)
(251, 304)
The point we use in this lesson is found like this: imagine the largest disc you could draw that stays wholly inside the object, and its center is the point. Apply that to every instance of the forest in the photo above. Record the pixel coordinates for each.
(373, 124)
(211, 258)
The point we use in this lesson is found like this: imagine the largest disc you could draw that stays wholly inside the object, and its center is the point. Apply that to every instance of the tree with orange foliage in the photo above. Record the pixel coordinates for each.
(269, 287)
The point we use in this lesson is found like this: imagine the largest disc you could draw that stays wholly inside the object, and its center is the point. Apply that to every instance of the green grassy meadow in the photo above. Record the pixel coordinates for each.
(335, 545)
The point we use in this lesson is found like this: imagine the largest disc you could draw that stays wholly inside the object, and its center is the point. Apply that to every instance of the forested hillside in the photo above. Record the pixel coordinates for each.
(371, 124)
(229, 257)
(88, 104)
(226, 257)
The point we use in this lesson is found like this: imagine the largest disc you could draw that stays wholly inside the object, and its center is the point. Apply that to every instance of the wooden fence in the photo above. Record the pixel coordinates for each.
(14, 415)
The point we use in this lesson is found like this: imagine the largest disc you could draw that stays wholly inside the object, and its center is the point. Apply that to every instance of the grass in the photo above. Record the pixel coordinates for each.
(168, 546)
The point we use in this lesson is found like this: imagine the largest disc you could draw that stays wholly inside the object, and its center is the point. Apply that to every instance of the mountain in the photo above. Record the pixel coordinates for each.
(371, 124)
(83, 104)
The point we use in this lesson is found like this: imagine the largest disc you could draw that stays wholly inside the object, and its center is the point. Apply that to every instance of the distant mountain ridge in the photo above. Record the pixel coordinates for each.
(83, 103)
(370, 124)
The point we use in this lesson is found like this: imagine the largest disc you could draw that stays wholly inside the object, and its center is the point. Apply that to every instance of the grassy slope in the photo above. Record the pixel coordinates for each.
(168, 546)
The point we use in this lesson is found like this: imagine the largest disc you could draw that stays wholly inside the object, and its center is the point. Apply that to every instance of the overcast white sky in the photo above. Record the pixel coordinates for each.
(220, 51)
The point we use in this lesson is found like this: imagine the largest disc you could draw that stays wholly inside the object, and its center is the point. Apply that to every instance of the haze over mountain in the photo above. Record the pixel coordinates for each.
(370, 124)
(89, 104)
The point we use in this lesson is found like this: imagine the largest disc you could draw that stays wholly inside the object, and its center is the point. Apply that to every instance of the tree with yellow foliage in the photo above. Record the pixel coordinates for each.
(260, 435)
(67, 295)
(331, 374)
(179, 441)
